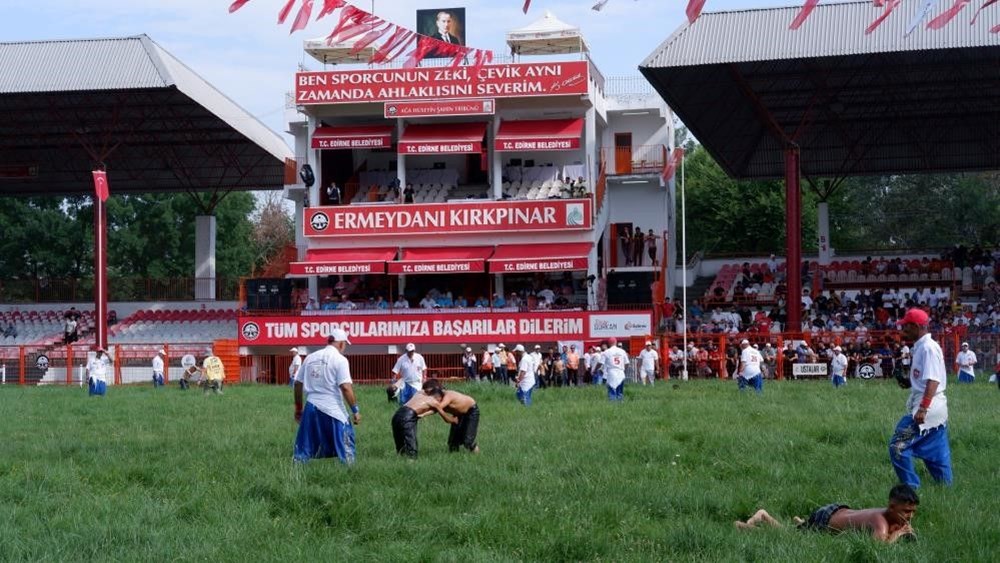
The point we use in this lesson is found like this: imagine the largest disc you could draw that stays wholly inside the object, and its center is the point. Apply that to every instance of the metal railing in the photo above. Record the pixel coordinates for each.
(119, 289)
(640, 159)
(390, 311)
(619, 86)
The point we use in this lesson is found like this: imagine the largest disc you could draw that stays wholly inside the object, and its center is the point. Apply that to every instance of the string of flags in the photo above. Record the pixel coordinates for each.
(695, 7)
(387, 41)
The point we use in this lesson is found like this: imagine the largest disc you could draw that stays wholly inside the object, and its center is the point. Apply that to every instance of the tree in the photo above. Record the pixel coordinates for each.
(743, 217)
(273, 229)
(149, 236)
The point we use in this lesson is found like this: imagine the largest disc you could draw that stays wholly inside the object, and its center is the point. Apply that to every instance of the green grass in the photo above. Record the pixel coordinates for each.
(164, 475)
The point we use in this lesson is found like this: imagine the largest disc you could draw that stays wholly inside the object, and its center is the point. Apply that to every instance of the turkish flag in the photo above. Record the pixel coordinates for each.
(101, 185)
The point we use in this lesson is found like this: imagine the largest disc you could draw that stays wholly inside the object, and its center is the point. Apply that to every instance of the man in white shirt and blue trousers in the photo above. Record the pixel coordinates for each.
(923, 431)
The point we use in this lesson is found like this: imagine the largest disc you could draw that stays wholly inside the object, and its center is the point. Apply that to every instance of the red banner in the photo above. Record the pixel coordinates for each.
(439, 108)
(554, 265)
(442, 267)
(492, 81)
(335, 268)
(442, 328)
(439, 147)
(449, 218)
(537, 144)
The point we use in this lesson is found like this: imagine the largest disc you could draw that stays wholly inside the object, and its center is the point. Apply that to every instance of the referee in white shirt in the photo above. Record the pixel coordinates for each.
(409, 373)
(923, 431)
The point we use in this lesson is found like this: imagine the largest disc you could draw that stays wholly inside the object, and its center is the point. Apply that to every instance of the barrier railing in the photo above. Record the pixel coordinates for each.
(641, 159)
(119, 289)
(131, 363)
(66, 365)
(390, 311)
(712, 362)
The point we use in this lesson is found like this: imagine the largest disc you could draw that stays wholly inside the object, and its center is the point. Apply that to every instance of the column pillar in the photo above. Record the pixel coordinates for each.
(400, 157)
(793, 239)
(496, 159)
(100, 275)
(823, 216)
(204, 258)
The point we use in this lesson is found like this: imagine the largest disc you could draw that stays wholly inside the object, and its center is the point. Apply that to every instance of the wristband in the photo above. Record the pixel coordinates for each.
(355, 409)
(925, 403)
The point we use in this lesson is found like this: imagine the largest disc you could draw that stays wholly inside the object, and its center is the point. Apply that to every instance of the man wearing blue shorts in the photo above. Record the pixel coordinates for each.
(838, 367)
(923, 431)
(409, 373)
(324, 427)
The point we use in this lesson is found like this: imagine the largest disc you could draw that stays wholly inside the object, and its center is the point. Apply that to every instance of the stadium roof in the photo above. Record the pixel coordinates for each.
(156, 124)
(747, 87)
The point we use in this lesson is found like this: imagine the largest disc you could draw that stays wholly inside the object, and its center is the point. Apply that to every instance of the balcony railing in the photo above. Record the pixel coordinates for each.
(119, 289)
(641, 159)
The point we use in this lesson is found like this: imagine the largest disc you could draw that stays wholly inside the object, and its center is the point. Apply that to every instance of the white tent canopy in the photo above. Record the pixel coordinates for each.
(338, 52)
(546, 36)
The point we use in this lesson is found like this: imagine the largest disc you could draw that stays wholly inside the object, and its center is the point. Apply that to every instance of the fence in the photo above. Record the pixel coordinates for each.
(119, 289)
(66, 365)
(712, 363)
(640, 159)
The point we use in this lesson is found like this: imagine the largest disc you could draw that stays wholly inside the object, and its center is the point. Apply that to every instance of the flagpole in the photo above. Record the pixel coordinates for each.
(684, 279)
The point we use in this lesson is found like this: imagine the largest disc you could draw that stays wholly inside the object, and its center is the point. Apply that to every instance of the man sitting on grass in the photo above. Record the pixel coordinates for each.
(465, 410)
(885, 524)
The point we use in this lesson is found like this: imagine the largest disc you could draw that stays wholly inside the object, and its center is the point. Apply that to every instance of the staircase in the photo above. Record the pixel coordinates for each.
(696, 291)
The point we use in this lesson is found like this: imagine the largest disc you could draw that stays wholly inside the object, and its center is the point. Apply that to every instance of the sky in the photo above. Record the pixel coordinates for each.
(252, 60)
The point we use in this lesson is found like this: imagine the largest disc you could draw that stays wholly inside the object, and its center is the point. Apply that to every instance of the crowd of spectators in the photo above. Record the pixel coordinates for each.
(536, 295)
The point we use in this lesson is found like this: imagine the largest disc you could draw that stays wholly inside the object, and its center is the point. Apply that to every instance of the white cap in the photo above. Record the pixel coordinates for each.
(411, 347)
(648, 343)
(468, 349)
(756, 347)
(965, 345)
(837, 349)
(339, 335)
(294, 350)
(744, 341)
(538, 346)
(519, 348)
(501, 345)
(162, 352)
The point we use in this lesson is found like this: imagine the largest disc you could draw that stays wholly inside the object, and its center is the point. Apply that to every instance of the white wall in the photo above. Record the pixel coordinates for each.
(643, 205)
(649, 129)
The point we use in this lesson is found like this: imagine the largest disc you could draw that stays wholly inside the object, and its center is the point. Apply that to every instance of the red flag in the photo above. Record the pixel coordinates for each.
(996, 29)
(527, 4)
(694, 9)
(804, 13)
(101, 185)
(948, 15)
(283, 14)
(331, 6)
(890, 5)
(986, 4)
(673, 162)
(369, 38)
(302, 19)
(398, 42)
(236, 5)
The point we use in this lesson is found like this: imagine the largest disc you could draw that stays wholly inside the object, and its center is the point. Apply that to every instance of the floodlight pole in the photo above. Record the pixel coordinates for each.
(793, 239)
(100, 273)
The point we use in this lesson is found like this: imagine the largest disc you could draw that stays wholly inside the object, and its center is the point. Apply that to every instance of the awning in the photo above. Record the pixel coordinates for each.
(512, 258)
(332, 261)
(540, 135)
(441, 260)
(353, 137)
(442, 138)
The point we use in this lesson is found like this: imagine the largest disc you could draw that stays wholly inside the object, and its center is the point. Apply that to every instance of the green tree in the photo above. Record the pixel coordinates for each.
(742, 217)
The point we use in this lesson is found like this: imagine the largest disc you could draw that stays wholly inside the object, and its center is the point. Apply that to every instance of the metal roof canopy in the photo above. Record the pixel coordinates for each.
(158, 126)
(747, 87)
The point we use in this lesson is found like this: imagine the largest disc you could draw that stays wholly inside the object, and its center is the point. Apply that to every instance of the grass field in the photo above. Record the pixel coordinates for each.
(160, 475)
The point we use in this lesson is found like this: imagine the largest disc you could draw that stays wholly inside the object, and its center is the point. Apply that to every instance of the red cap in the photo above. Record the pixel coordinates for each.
(915, 316)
